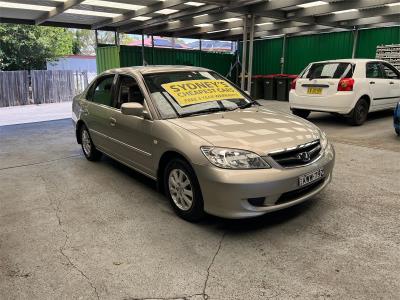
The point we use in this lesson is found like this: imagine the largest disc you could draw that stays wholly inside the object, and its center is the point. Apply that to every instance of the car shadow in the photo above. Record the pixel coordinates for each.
(234, 226)
(340, 120)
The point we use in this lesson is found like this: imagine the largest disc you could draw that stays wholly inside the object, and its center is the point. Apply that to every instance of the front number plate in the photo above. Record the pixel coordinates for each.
(311, 177)
(314, 91)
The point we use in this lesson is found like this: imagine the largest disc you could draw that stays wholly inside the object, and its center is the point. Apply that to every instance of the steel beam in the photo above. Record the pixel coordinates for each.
(140, 12)
(59, 9)
(181, 15)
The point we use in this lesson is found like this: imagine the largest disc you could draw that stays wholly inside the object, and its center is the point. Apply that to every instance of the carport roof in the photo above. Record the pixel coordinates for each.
(205, 19)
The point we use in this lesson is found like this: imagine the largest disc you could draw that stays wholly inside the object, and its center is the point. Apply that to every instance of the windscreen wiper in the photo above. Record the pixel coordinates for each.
(201, 112)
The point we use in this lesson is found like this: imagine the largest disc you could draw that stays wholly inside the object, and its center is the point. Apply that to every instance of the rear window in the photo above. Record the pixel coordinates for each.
(328, 70)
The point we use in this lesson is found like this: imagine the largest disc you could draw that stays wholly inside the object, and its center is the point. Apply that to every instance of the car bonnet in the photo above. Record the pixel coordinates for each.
(255, 129)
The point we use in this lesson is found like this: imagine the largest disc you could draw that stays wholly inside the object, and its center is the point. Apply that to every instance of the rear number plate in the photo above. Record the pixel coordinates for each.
(311, 177)
(314, 91)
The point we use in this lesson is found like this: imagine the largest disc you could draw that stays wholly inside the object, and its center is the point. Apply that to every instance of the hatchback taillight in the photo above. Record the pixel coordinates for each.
(293, 84)
(346, 85)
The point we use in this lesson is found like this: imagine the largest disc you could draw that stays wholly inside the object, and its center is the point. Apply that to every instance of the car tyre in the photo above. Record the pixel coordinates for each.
(88, 148)
(183, 190)
(397, 131)
(359, 114)
(302, 113)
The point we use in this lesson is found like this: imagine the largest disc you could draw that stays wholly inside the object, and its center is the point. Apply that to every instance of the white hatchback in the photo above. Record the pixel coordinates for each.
(350, 87)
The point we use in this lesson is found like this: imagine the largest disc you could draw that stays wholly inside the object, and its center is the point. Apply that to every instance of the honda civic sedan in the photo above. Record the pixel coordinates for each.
(209, 146)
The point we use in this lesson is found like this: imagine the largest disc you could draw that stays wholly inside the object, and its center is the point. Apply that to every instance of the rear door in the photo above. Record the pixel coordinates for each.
(378, 85)
(322, 79)
(392, 82)
(99, 111)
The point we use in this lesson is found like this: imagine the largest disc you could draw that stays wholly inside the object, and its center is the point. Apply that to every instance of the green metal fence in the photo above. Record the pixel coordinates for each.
(368, 39)
(267, 56)
(301, 50)
(126, 56)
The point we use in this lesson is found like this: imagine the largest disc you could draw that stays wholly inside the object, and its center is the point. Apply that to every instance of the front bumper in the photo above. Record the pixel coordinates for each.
(226, 192)
(340, 102)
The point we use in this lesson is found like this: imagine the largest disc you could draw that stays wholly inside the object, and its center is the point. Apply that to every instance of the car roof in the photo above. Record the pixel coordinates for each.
(350, 60)
(154, 69)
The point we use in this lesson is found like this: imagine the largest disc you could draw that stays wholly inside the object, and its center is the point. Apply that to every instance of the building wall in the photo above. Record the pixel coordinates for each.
(74, 63)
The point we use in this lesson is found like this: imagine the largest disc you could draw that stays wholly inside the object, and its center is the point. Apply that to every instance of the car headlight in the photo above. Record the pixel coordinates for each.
(323, 139)
(234, 158)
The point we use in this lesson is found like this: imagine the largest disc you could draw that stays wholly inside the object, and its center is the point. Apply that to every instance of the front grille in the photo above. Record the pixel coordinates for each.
(299, 156)
(293, 195)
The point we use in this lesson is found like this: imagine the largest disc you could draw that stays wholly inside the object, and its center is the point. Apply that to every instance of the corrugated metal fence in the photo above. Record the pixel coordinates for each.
(41, 86)
(108, 57)
(301, 50)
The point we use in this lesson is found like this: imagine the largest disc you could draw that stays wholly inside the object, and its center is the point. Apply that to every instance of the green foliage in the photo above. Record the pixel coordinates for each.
(26, 47)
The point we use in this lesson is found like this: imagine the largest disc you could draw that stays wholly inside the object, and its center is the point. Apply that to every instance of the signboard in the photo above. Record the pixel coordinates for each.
(198, 91)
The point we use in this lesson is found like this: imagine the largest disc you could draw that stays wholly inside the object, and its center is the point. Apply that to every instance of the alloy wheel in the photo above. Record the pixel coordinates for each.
(86, 143)
(180, 189)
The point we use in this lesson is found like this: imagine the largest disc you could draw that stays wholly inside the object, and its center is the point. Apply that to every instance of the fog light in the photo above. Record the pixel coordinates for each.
(257, 201)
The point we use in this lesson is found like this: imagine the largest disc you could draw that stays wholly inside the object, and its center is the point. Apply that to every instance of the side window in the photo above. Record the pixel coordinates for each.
(101, 92)
(390, 72)
(128, 91)
(373, 70)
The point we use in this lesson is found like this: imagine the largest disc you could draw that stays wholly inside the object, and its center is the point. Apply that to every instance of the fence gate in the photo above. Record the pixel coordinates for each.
(52, 86)
(14, 88)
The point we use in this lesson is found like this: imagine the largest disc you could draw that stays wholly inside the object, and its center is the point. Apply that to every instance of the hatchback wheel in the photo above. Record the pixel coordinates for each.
(302, 113)
(183, 190)
(88, 148)
(359, 113)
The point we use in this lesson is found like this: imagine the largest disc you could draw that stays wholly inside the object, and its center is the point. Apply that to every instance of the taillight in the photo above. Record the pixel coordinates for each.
(293, 84)
(346, 85)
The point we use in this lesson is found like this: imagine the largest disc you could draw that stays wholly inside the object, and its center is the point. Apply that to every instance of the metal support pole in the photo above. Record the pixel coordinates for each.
(152, 49)
(200, 54)
(143, 60)
(355, 42)
(251, 47)
(244, 53)
(283, 54)
(116, 38)
(97, 38)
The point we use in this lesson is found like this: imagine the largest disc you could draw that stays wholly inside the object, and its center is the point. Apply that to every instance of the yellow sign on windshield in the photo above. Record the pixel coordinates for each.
(198, 91)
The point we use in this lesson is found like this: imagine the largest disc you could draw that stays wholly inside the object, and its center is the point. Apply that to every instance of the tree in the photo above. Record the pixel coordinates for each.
(84, 41)
(27, 47)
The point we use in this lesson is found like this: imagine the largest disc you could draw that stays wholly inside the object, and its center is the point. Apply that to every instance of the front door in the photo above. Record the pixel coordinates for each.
(132, 134)
(377, 85)
(393, 83)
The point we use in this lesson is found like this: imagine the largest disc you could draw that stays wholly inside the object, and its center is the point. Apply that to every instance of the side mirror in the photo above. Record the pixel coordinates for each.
(134, 109)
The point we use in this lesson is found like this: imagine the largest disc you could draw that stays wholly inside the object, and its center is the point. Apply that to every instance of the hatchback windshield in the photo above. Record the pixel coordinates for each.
(187, 93)
(328, 70)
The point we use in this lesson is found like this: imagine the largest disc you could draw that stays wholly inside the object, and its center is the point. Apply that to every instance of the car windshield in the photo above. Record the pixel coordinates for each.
(328, 70)
(187, 93)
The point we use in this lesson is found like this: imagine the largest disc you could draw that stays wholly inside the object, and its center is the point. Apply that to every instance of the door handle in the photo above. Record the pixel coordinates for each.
(391, 82)
(113, 121)
(372, 82)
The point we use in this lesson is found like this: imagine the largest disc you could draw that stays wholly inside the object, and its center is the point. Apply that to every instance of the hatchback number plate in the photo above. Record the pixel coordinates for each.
(314, 91)
(311, 177)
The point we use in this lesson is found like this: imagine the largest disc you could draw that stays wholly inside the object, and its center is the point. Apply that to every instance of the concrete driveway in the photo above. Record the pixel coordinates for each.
(72, 229)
